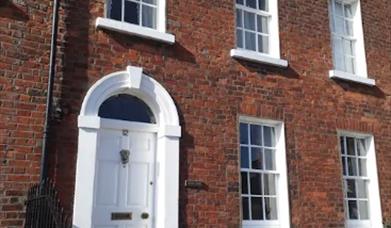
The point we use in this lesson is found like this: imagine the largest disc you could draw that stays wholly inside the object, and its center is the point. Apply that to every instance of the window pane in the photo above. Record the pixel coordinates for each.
(349, 62)
(351, 188)
(262, 5)
(244, 181)
(249, 21)
(350, 145)
(262, 24)
(271, 208)
(362, 167)
(256, 134)
(338, 8)
(115, 10)
(362, 189)
(256, 183)
(348, 28)
(244, 157)
(353, 211)
(338, 54)
(352, 166)
(239, 18)
(245, 208)
(345, 205)
(361, 147)
(250, 41)
(344, 165)
(270, 159)
(126, 107)
(132, 10)
(257, 208)
(363, 205)
(339, 25)
(239, 38)
(256, 158)
(243, 133)
(263, 44)
(239, 2)
(342, 145)
(149, 16)
(269, 136)
(348, 11)
(251, 3)
(348, 47)
(269, 183)
(153, 2)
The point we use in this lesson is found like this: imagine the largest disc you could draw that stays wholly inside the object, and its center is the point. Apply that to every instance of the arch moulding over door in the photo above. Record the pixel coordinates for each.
(133, 82)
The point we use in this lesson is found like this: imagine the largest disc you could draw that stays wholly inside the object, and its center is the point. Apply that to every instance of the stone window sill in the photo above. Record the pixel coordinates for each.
(258, 57)
(130, 29)
(335, 74)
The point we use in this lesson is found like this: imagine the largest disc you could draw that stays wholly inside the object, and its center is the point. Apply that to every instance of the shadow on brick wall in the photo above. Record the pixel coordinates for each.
(71, 85)
(373, 91)
(175, 51)
(265, 69)
(13, 11)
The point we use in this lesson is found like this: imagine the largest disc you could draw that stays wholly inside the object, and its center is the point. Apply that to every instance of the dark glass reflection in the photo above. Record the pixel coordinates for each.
(132, 12)
(126, 107)
(115, 9)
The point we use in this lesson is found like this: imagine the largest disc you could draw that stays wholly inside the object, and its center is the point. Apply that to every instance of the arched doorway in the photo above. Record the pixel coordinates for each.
(128, 157)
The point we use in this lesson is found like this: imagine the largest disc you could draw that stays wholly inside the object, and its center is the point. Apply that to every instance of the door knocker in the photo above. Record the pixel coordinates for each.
(125, 154)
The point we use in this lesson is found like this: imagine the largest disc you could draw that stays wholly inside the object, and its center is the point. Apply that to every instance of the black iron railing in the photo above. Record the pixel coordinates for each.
(43, 209)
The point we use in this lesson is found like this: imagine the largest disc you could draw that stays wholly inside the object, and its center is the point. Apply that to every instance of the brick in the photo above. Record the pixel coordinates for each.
(210, 89)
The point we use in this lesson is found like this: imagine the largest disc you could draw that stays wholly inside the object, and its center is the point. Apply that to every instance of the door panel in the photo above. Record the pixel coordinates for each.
(138, 187)
(107, 183)
(124, 192)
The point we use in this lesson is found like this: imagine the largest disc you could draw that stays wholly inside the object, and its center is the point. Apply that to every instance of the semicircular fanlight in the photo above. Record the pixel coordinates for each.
(126, 107)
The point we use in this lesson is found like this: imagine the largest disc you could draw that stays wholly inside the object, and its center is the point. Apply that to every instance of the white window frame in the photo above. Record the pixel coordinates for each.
(273, 57)
(283, 216)
(360, 64)
(159, 34)
(374, 203)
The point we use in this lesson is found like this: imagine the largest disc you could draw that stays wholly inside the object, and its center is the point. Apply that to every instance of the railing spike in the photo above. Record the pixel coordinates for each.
(43, 207)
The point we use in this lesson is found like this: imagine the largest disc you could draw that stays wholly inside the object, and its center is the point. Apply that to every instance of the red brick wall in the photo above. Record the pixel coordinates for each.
(211, 90)
(24, 54)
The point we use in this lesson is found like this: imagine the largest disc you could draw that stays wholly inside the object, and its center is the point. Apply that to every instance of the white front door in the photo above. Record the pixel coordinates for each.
(123, 192)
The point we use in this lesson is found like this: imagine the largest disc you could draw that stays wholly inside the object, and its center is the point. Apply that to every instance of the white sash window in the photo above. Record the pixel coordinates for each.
(361, 191)
(263, 174)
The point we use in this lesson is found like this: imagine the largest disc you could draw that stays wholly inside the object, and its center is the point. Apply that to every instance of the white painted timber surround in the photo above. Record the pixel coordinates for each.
(134, 82)
(135, 30)
(335, 74)
(258, 57)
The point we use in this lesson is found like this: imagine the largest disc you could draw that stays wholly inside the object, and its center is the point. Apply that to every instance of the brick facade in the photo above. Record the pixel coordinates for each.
(211, 91)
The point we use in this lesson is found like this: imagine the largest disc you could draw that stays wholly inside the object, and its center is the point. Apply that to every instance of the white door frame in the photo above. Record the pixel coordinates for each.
(133, 82)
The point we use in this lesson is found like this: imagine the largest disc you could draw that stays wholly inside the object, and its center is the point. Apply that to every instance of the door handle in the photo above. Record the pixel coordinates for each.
(144, 215)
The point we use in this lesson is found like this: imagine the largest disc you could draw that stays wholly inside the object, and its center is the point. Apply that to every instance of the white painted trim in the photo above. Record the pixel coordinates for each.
(258, 57)
(335, 74)
(361, 62)
(161, 16)
(130, 29)
(135, 80)
(95, 122)
(274, 31)
(282, 177)
(167, 158)
(375, 212)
